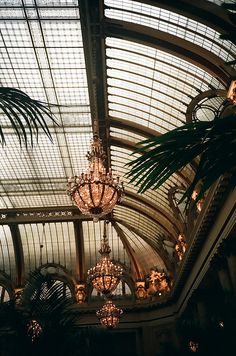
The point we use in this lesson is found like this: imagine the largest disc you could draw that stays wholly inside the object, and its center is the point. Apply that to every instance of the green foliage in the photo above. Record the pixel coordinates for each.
(213, 141)
(25, 115)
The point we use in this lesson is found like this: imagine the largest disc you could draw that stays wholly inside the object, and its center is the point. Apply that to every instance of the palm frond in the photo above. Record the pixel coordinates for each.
(42, 295)
(25, 115)
(213, 141)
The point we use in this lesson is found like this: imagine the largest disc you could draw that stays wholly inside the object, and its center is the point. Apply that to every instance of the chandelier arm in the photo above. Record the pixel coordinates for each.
(103, 189)
(91, 194)
(77, 190)
(114, 192)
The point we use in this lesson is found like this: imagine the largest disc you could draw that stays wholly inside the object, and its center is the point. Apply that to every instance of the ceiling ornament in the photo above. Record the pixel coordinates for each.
(106, 275)
(109, 315)
(97, 191)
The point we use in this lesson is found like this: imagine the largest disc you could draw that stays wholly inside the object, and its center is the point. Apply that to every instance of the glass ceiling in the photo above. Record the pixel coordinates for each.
(42, 53)
(172, 23)
(147, 88)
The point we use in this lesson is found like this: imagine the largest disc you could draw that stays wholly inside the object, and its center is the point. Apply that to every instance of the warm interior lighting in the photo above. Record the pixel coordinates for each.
(193, 346)
(221, 324)
(232, 92)
(105, 276)
(80, 293)
(158, 282)
(18, 295)
(34, 329)
(96, 192)
(200, 202)
(141, 292)
(181, 246)
(109, 315)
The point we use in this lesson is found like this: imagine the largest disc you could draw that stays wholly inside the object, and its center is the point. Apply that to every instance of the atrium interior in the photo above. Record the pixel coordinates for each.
(123, 71)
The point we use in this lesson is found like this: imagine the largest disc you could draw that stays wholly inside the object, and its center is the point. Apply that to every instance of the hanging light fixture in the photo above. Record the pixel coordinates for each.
(109, 315)
(96, 192)
(105, 276)
(34, 330)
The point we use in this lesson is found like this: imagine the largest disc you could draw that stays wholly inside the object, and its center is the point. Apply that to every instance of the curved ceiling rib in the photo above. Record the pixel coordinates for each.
(8, 258)
(135, 207)
(176, 225)
(133, 259)
(18, 250)
(156, 247)
(132, 127)
(143, 256)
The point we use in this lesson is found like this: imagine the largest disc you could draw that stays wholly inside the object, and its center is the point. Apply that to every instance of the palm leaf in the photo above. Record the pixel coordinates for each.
(24, 114)
(213, 141)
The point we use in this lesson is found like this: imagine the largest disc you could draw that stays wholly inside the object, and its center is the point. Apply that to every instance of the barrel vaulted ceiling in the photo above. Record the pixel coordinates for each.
(136, 67)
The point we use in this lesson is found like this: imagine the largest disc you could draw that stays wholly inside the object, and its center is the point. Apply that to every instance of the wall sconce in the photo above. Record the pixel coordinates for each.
(18, 295)
(232, 92)
(141, 292)
(181, 246)
(80, 293)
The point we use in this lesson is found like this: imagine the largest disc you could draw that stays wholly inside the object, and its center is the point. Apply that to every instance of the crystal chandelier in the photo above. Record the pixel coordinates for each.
(34, 330)
(109, 315)
(105, 276)
(96, 192)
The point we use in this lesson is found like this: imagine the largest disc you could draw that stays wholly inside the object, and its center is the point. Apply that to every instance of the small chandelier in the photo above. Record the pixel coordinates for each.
(34, 330)
(109, 315)
(105, 276)
(96, 192)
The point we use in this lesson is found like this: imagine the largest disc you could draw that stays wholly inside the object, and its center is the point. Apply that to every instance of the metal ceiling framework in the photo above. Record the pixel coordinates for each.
(136, 67)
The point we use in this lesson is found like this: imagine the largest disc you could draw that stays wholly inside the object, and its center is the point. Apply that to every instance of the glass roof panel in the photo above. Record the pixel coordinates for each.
(147, 257)
(7, 254)
(126, 135)
(172, 23)
(138, 221)
(51, 243)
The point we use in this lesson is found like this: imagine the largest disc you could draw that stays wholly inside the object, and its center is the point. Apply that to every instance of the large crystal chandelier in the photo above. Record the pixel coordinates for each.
(109, 315)
(105, 276)
(96, 192)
